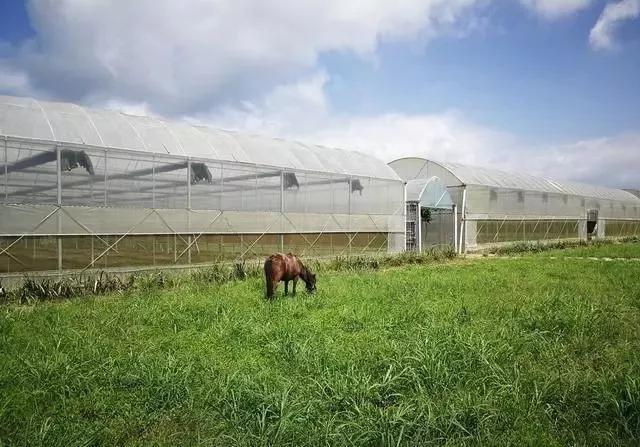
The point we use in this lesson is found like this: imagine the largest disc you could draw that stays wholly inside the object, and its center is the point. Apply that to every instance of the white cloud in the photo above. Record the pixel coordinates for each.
(602, 34)
(553, 9)
(185, 56)
(611, 161)
(253, 65)
(301, 111)
(14, 81)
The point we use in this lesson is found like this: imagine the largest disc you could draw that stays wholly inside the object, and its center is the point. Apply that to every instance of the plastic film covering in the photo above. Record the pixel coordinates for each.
(495, 194)
(431, 193)
(141, 181)
(504, 207)
(69, 123)
(78, 206)
(458, 174)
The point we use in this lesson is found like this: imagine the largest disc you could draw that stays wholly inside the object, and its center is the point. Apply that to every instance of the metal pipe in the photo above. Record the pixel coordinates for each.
(404, 217)
(455, 228)
(281, 211)
(462, 220)
(6, 172)
(189, 174)
(106, 170)
(59, 202)
(419, 227)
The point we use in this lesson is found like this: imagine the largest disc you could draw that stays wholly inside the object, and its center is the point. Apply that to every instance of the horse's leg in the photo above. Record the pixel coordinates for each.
(286, 288)
(295, 283)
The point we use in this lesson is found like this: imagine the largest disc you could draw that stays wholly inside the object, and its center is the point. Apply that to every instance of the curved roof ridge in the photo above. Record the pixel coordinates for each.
(483, 176)
(180, 138)
(516, 180)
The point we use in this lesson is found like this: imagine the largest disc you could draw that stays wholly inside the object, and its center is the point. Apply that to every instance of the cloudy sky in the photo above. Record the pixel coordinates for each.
(551, 87)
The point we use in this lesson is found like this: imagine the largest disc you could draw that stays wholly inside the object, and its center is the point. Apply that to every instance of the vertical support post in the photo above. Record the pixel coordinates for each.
(455, 228)
(153, 182)
(221, 240)
(189, 210)
(463, 226)
(59, 203)
(349, 213)
(221, 184)
(106, 177)
(419, 227)
(281, 241)
(6, 170)
(404, 217)
(465, 236)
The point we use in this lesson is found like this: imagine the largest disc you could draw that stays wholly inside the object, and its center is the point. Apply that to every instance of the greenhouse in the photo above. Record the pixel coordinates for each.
(94, 189)
(495, 207)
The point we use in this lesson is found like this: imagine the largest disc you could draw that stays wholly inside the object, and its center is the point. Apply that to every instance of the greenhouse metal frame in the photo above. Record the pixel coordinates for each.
(90, 189)
(496, 207)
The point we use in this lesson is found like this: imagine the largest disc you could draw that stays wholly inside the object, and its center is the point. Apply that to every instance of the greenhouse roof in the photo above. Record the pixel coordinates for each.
(473, 175)
(70, 123)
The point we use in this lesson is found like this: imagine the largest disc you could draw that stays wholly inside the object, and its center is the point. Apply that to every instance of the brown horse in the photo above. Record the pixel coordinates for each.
(280, 267)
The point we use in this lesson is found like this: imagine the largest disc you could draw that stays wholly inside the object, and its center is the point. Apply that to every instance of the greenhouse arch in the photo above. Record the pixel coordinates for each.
(496, 206)
(89, 189)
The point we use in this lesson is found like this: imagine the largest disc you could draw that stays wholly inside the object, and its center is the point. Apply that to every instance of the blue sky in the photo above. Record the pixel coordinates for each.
(483, 81)
(539, 80)
(14, 21)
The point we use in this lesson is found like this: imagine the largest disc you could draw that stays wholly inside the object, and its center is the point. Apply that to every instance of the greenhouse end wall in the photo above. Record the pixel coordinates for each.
(134, 209)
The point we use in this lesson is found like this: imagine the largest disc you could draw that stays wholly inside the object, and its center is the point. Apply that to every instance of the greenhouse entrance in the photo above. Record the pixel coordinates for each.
(431, 220)
(592, 224)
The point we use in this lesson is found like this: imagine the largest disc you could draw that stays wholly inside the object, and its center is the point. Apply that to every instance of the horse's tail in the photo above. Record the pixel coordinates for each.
(268, 276)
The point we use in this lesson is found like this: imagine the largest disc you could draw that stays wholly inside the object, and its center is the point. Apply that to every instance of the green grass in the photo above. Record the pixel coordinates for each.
(627, 246)
(528, 351)
(626, 250)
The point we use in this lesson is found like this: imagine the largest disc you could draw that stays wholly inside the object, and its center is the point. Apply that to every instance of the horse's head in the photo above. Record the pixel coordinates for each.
(310, 280)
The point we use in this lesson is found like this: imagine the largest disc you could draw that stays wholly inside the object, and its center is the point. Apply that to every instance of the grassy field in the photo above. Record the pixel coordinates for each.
(527, 351)
(626, 250)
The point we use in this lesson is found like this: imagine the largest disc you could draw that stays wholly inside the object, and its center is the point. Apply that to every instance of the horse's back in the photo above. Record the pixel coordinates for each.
(283, 265)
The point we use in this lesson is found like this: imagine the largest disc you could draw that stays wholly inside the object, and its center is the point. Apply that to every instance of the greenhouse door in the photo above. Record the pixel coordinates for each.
(592, 223)
(412, 228)
(438, 232)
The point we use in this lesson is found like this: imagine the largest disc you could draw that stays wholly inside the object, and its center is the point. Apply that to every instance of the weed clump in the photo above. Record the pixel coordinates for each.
(360, 262)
